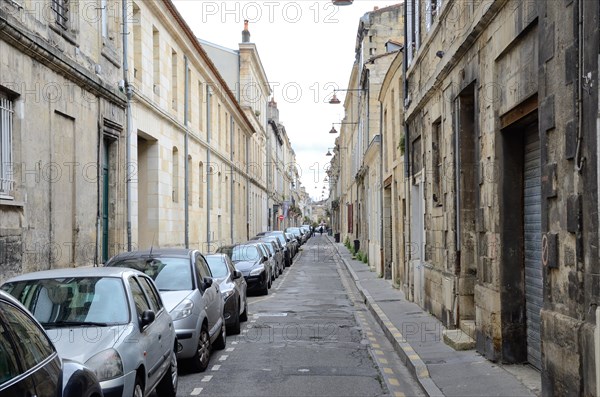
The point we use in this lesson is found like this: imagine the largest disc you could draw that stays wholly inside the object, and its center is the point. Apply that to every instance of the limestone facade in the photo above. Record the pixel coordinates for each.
(502, 196)
(62, 120)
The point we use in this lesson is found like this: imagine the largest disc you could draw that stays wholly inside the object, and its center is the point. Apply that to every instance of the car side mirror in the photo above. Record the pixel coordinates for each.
(207, 283)
(264, 259)
(237, 274)
(148, 317)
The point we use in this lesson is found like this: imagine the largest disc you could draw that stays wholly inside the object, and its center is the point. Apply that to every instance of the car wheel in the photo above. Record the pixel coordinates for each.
(265, 290)
(235, 328)
(168, 384)
(199, 362)
(281, 269)
(221, 341)
(244, 315)
(138, 390)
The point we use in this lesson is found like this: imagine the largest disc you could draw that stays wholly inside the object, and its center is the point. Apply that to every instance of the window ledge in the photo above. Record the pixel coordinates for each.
(110, 53)
(68, 36)
(8, 202)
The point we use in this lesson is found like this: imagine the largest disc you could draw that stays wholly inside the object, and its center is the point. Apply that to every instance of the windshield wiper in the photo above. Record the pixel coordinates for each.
(74, 324)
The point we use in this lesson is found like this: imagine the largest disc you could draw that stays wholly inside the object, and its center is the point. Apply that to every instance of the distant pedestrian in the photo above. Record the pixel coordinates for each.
(312, 231)
(321, 230)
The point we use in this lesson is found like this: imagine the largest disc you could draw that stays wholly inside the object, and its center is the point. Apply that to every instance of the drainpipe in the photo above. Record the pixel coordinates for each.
(381, 219)
(578, 159)
(99, 181)
(407, 231)
(186, 151)
(129, 94)
(231, 181)
(208, 172)
(247, 192)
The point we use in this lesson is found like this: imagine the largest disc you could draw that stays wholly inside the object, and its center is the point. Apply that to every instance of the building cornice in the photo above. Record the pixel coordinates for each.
(21, 38)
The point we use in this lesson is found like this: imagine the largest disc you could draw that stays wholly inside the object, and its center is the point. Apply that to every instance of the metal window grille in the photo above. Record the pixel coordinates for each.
(6, 175)
(61, 12)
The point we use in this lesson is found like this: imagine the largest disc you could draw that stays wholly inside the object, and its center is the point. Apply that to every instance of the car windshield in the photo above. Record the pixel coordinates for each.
(269, 247)
(245, 253)
(169, 274)
(76, 301)
(217, 265)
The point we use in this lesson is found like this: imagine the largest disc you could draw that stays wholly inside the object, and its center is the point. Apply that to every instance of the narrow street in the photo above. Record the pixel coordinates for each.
(310, 336)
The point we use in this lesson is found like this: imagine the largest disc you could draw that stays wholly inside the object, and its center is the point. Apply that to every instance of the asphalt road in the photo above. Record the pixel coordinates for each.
(310, 336)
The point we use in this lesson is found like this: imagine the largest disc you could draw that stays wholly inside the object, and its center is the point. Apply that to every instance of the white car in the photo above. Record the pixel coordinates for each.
(110, 319)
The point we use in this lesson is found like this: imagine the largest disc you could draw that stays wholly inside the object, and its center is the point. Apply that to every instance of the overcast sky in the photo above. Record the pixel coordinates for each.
(307, 48)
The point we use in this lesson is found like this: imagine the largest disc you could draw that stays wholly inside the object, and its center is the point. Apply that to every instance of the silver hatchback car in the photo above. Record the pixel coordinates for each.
(111, 319)
(194, 301)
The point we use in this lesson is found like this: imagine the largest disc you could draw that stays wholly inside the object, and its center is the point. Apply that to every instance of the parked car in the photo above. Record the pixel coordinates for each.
(265, 246)
(287, 246)
(191, 297)
(233, 289)
(250, 260)
(297, 233)
(279, 253)
(29, 362)
(293, 242)
(110, 319)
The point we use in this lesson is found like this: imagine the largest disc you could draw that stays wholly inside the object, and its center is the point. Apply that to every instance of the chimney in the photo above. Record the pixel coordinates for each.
(245, 33)
(273, 111)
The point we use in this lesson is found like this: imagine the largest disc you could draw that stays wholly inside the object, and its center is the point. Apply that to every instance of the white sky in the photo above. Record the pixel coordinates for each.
(306, 47)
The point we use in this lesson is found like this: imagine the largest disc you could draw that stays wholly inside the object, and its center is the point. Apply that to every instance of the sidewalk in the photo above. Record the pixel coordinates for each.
(417, 338)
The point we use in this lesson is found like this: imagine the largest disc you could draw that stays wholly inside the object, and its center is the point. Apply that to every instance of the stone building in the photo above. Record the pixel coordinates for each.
(501, 113)
(62, 142)
(360, 147)
(192, 142)
(394, 186)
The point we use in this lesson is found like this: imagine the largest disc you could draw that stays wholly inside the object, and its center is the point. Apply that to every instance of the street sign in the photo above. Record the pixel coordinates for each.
(280, 217)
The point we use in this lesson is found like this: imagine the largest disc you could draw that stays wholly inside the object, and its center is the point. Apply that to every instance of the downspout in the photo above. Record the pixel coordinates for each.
(407, 203)
(381, 216)
(231, 181)
(186, 153)
(208, 171)
(129, 94)
(579, 161)
(98, 182)
(247, 192)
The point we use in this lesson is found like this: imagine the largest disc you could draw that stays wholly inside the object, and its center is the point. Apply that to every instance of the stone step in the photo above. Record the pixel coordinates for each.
(458, 340)
(468, 327)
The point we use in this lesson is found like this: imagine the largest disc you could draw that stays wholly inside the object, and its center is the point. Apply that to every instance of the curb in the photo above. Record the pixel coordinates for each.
(409, 357)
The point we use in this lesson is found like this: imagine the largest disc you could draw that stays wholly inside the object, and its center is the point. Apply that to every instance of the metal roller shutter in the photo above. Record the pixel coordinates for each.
(533, 238)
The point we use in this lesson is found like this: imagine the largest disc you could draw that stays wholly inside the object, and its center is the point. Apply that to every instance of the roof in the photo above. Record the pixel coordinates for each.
(183, 252)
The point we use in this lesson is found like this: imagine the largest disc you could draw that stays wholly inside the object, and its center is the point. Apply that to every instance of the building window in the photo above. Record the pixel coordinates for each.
(156, 61)
(175, 175)
(6, 175)
(60, 8)
(430, 13)
(436, 163)
(201, 184)
(174, 93)
(104, 17)
(137, 43)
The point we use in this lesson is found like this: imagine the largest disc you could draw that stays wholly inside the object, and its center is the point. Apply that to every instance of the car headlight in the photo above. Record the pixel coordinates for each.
(227, 294)
(257, 271)
(106, 364)
(182, 310)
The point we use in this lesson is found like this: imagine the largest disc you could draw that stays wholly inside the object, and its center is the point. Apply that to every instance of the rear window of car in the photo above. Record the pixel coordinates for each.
(217, 265)
(73, 300)
(245, 253)
(169, 274)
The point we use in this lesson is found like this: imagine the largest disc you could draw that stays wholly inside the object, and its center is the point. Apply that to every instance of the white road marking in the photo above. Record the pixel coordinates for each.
(230, 349)
(223, 357)
(207, 378)
(196, 391)
(215, 367)
(234, 342)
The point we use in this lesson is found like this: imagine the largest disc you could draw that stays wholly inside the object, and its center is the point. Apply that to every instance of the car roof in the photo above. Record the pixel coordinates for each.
(181, 252)
(76, 272)
(215, 255)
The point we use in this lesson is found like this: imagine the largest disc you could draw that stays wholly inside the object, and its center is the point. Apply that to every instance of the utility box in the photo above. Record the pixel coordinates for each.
(356, 245)
(336, 237)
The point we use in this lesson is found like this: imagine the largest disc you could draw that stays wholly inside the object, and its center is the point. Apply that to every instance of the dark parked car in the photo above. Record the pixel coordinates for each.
(233, 289)
(287, 244)
(185, 283)
(250, 260)
(29, 363)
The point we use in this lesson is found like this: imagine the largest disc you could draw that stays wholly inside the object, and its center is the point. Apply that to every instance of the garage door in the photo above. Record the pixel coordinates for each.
(533, 240)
